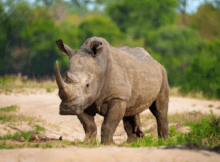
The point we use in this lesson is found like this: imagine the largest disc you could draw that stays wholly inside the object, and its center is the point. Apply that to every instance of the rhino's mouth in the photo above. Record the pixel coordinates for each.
(70, 110)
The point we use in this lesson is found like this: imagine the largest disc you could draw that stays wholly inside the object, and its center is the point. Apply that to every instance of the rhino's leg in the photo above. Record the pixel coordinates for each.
(159, 108)
(132, 126)
(87, 120)
(114, 115)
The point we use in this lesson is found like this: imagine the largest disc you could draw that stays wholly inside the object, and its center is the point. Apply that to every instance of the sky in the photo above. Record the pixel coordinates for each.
(193, 6)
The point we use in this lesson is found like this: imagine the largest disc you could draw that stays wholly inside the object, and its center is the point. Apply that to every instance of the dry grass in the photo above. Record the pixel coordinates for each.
(175, 91)
(179, 118)
(14, 84)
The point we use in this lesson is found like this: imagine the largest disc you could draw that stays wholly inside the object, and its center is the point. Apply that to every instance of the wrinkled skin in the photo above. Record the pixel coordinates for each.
(117, 83)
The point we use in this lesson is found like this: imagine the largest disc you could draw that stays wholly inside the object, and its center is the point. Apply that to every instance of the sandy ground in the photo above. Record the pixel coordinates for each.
(45, 106)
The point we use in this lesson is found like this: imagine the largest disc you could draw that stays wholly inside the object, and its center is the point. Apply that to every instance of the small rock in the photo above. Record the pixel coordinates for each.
(19, 139)
(194, 112)
(34, 138)
(41, 136)
(185, 129)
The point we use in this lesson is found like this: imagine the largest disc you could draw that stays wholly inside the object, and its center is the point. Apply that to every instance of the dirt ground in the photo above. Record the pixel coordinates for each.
(45, 106)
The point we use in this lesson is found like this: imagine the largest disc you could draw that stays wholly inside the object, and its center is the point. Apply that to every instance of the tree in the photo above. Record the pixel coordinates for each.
(177, 47)
(204, 73)
(99, 26)
(5, 29)
(182, 8)
(206, 21)
(139, 17)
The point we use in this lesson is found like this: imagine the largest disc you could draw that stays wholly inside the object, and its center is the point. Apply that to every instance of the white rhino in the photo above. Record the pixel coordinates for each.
(117, 83)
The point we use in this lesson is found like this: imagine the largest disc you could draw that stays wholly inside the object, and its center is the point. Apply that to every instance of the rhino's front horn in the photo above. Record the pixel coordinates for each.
(64, 91)
(59, 79)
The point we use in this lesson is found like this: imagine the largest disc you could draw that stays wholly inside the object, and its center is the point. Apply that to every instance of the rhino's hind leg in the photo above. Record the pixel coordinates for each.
(132, 126)
(161, 117)
(159, 108)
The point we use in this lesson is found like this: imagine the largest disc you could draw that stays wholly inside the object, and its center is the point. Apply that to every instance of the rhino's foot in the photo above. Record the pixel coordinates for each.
(135, 137)
(132, 125)
(108, 142)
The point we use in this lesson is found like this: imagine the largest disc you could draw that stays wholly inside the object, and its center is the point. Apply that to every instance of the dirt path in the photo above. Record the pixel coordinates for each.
(45, 106)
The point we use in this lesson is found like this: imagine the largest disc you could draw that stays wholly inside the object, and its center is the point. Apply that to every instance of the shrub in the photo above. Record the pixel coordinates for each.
(99, 26)
(204, 74)
(177, 47)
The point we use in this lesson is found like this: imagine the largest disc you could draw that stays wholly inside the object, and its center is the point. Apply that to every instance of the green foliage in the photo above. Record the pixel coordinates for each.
(4, 117)
(203, 133)
(10, 108)
(175, 138)
(204, 73)
(177, 47)
(28, 33)
(99, 26)
(48, 145)
(138, 18)
(206, 21)
(27, 135)
(4, 37)
(39, 128)
(38, 36)
(70, 36)
(5, 146)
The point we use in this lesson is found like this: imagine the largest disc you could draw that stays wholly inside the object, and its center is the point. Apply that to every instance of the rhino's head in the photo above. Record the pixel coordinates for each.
(84, 79)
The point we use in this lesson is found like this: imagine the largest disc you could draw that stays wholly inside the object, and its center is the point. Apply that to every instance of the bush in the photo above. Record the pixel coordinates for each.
(177, 47)
(138, 18)
(99, 26)
(204, 74)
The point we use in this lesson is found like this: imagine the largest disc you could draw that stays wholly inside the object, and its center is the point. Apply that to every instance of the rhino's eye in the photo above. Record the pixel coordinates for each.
(87, 85)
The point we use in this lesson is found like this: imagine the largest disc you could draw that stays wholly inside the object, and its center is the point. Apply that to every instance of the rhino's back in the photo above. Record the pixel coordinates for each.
(137, 53)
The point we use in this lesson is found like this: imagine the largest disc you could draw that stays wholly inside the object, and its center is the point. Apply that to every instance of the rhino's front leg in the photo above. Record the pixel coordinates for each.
(116, 111)
(89, 125)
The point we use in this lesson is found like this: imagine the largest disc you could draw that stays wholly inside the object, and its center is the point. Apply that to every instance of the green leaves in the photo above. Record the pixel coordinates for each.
(99, 26)
(138, 18)
(204, 73)
(177, 46)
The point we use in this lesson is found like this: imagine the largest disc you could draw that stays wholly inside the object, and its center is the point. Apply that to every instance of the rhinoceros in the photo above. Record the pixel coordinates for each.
(117, 83)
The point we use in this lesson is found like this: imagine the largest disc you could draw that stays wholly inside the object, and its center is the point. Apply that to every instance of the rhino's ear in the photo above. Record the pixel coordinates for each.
(65, 50)
(96, 48)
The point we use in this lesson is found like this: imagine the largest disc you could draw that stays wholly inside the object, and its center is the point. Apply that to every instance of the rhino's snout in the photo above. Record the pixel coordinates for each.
(70, 110)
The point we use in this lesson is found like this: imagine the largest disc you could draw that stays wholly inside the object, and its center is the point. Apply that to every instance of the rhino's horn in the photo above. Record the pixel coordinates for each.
(64, 91)
(59, 79)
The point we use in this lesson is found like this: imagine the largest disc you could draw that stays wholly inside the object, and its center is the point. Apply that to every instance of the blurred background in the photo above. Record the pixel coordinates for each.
(183, 35)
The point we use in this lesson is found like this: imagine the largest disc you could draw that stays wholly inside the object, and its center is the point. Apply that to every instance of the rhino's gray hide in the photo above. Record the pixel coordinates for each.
(118, 83)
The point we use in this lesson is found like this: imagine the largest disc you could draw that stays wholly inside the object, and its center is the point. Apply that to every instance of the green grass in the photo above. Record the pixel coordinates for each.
(6, 146)
(203, 133)
(27, 135)
(10, 108)
(210, 106)
(39, 128)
